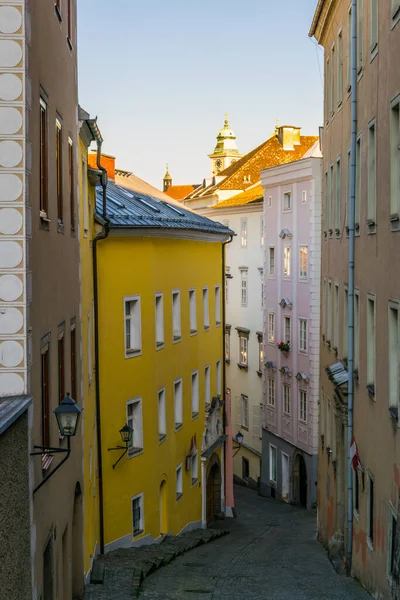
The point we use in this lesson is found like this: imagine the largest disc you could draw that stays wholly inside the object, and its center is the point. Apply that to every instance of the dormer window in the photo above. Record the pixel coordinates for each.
(246, 179)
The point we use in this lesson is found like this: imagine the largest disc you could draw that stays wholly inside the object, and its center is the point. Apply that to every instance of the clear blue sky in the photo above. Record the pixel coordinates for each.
(161, 74)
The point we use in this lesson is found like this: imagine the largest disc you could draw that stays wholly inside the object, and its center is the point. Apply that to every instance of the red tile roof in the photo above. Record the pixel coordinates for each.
(179, 192)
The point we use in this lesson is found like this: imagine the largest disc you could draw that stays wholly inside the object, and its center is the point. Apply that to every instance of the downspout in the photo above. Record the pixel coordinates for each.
(101, 236)
(350, 396)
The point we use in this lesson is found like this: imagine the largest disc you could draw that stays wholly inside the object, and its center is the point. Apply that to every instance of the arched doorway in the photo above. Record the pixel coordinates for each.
(300, 481)
(77, 549)
(214, 481)
(163, 508)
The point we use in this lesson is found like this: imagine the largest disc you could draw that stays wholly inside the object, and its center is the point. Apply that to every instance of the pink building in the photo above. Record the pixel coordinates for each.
(292, 264)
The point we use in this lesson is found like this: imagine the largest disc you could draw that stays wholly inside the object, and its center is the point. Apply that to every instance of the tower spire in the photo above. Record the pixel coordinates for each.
(167, 181)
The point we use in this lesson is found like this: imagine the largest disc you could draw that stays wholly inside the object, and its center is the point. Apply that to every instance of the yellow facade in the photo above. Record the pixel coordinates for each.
(143, 266)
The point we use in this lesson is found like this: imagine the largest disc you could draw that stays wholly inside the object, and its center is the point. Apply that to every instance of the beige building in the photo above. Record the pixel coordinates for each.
(39, 275)
(376, 480)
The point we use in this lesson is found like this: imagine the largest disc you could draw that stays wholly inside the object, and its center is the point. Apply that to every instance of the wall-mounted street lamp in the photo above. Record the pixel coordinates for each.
(126, 433)
(239, 439)
(67, 414)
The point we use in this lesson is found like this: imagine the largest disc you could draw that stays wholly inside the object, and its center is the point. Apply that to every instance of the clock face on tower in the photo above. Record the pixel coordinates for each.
(218, 163)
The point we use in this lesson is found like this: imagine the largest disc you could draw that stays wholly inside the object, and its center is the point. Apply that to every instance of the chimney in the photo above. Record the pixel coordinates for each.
(107, 161)
(289, 137)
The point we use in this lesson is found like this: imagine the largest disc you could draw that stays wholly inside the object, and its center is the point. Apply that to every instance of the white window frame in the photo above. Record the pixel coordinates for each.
(303, 335)
(395, 157)
(159, 310)
(243, 233)
(287, 205)
(207, 386)
(269, 203)
(371, 341)
(243, 350)
(303, 269)
(329, 312)
(138, 531)
(244, 411)
(192, 311)
(271, 392)
(178, 482)
(287, 399)
(162, 417)
(340, 68)
(244, 291)
(360, 37)
(194, 467)
(303, 405)
(218, 376)
(287, 252)
(304, 197)
(273, 450)
(227, 345)
(371, 203)
(271, 328)
(393, 353)
(135, 446)
(335, 341)
(271, 263)
(206, 309)
(358, 182)
(178, 403)
(345, 343)
(286, 320)
(195, 393)
(176, 316)
(356, 329)
(135, 326)
(217, 296)
(338, 194)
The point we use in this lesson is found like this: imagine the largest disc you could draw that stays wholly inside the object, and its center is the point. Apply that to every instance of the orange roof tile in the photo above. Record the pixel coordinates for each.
(179, 192)
(253, 194)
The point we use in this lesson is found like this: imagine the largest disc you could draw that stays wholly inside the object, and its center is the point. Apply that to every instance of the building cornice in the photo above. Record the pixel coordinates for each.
(320, 20)
(177, 234)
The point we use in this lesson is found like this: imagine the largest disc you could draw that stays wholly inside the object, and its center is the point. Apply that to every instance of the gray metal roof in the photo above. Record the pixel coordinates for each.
(338, 374)
(129, 209)
(12, 407)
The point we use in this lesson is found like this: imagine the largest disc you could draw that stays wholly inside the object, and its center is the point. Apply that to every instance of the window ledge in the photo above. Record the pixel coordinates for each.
(374, 52)
(395, 17)
(58, 13)
(70, 44)
(162, 437)
(179, 496)
(217, 323)
(193, 331)
(195, 415)
(134, 452)
(44, 217)
(208, 406)
(177, 338)
(137, 532)
(242, 366)
(178, 426)
(259, 373)
(194, 481)
(206, 327)
(133, 351)
(371, 391)
(159, 345)
(228, 361)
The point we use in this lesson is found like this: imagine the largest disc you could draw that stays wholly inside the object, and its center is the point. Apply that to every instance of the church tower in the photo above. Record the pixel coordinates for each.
(225, 152)
(167, 180)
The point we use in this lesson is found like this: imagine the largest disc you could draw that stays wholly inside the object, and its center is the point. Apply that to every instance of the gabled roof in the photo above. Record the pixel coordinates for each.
(253, 194)
(129, 209)
(179, 192)
(128, 180)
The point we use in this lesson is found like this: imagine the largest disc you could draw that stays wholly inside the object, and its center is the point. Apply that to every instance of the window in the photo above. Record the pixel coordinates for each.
(243, 287)
(61, 368)
(206, 313)
(85, 198)
(303, 263)
(176, 315)
(178, 482)
(260, 352)
(356, 330)
(60, 209)
(359, 35)
(69, 22)
(218, 376)
(261, 231)
(322, 415)
(324, 308)
(303, 405)
(57, 6)
(371, 344)
(286, 261)
(345, 323)
(349, 38)
(217, 305)
(356, 492)
(159, 321)
(370, 509)
(162, 417)
(393, 335)
(227, 277)
(243, 350)
(303, 345)
(373, 43)
(271, 391)
(327, 96)
(71, 182)
(338, 194)
(331, 200)
(272, 463)
(336, 317)
(395, 8)
(326, 204)
(133, 328)
(195, 393)
(245, 411)
(178, 403)
(195, 467)
(89, 347)
(46, 412)
(245, 468)
(340, 69)
(137, 515)
(262, 288)
(43, 159)
(227, 344)
(333, 63)
(392, 533)
(287, 202)
(286, 329)
(207, 386)
(73, 362)
(243, 233)
(328, 423)
(287, 408)
(269, 201)
(304, 197)
(371, 175)
(329, 332)
(358, 183)
(192, 311)
(395, 159)
(348, 190)
(271, 271)
(135, 420)
(271, 328)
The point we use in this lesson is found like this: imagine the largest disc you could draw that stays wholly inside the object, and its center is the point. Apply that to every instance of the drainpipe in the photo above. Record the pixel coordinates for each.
(101, 236)
(350, 396)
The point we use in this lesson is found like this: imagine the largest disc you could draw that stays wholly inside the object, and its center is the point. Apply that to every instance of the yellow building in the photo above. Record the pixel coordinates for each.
(159, 363)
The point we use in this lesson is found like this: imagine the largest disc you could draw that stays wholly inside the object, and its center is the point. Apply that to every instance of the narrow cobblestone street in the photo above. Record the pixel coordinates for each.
(271, 552)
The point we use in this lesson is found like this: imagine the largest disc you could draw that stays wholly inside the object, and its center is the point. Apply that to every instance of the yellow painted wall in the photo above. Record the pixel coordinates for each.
(88, 422)
(145, 266)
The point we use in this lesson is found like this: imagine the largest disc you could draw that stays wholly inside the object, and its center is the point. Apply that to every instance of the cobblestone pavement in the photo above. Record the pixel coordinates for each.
(271, 552)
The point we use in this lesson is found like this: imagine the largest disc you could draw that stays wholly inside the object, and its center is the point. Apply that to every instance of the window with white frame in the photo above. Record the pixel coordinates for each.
(338, 193)
(333, 64)
(271, 270)
(207, 386)
(176, 315)
(179, 488)
(286, 261)
(348, 191)
(324, 308)
(243, 349)
(245, 411)
(243, 233)
(303, 262)
(395, 8)
(287, 404)
(373, 28)
(393, 355)
(272, 463)
(345, 322)
(260, 353)
(356, 329)
(195, 467)
(162, 417)
(326, 204)
(349, 38)
(218, 376)
(331, 199)
(243, 287)
(227, 343)
(370, 508)
(371, 210)
(392, 532)
(195, 393)
(336, 317)
(303, 406)
(329, 315)
(287, 201)
(358, 182)
(271, 328)
(217, 305)
(192, 311)
(134, 420)
(133, 328)
(271, 391)
(206, 309)
(159, 321)
(261, 231)
(395, 158)
(137, 515)
(371, 343)
(340, 69)
(303, 343)
(359, 35)
(178, 415)
(286, 329)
